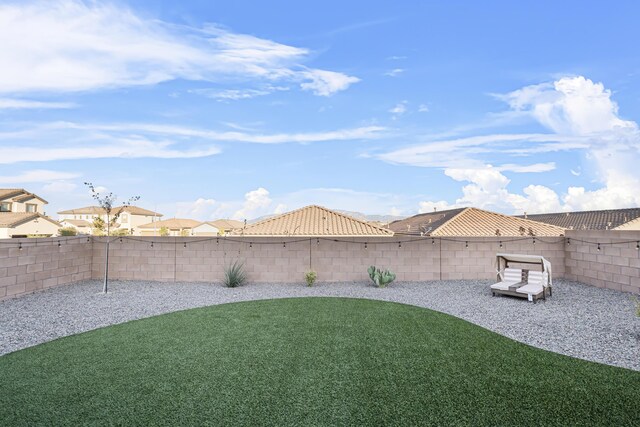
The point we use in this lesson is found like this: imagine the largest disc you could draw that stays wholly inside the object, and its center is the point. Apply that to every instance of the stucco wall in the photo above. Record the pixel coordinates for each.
(42, 264)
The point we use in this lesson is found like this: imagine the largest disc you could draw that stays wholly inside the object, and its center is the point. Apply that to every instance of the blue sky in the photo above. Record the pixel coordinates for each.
(241, 109)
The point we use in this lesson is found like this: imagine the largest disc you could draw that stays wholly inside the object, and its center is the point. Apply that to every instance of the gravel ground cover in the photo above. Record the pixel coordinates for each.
(579, 320)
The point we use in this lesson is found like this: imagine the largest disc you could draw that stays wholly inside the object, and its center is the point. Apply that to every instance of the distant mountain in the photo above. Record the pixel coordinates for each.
(357, 215)
(365, 217)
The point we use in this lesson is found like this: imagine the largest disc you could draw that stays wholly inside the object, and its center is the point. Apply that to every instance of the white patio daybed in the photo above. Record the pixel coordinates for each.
(532, 284)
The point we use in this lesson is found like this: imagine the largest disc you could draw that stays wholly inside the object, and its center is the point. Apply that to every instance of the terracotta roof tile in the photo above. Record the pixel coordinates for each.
(588, 220)
(226, 224)
(474, 222)
(314, 221)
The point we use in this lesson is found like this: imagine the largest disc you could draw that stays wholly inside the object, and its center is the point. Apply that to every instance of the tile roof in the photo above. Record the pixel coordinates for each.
(97, 210)
(473, 222)
(313, 221)
(18, 195)
(424, 223)
(11, 219)
(588, 220)
(172, 224)
(226, 224)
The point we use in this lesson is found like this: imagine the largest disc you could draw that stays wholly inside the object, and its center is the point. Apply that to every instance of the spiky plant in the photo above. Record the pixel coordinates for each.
(235, 275)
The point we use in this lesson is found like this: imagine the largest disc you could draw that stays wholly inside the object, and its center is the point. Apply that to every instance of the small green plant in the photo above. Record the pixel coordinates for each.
(68, 231)
(310, 277)
(164, 231)
(234, 275)
(637, 301)
(381, 277)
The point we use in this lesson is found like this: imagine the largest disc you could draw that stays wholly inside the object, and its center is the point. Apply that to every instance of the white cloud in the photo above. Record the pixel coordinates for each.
(256, 204)
(69, 45)
(326, 83)
(63, 187)
(22, 104)
(66, 140)
(423, 108)
(487, 189)
(237, 94)
(38, 175)
(579, 114)
(200, 209)
(260, 202)
(571, 105)
(426, 207)
(395, 72)
(534, 168)
(399, 109)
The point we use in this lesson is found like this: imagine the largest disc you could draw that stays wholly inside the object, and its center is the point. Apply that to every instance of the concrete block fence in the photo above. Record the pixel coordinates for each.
(29, 265)
(615, 265)
(42, 263)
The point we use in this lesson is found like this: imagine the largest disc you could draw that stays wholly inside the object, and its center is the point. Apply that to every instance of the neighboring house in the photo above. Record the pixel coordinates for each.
(22, 214)
(175, 227)
(610, 219)
(219, 227)
(471, 222)
(206, 229)
(313, 221)
(130, 219)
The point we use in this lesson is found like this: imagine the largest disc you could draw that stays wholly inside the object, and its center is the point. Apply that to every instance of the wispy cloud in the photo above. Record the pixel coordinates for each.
(579, 115)
(22, 104)
(69, 45)
(395, 72)
(37, 175)
(68, 140)
(237, 94)
(399, 109)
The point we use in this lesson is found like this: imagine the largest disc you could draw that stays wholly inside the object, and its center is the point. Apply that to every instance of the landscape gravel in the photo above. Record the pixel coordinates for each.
(578, 320)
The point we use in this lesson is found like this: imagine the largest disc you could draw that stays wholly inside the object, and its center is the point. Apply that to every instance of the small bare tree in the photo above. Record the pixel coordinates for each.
(106, 202)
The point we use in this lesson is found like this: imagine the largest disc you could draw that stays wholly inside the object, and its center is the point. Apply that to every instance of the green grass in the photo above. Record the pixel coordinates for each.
(311, 361)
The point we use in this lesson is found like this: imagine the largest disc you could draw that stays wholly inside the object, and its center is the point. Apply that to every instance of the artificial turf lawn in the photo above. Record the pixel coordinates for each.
(308, 361)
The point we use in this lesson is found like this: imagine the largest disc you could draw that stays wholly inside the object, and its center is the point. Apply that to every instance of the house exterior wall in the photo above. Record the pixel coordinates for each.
(41, 264)
(205, 230)
(22, 207)
(35, 226)
(613, 266)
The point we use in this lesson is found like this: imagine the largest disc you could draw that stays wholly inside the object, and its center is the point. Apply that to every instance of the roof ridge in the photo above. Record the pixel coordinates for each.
(582, 212)
(521, 219)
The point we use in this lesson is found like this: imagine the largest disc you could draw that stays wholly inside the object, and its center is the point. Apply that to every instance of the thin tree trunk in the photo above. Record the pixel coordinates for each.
(106, 261)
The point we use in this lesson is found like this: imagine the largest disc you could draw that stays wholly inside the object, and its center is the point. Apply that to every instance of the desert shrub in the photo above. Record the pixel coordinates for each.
(68, 231)
(234, 275)
(310, 277)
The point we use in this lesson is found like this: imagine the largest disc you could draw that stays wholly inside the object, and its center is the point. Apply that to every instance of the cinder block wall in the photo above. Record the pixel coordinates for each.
(42, 264)
(268, 260)
(613, 266)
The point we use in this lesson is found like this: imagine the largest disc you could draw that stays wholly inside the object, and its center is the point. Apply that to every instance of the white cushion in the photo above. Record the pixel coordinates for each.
(533, 289)
(504, 285)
